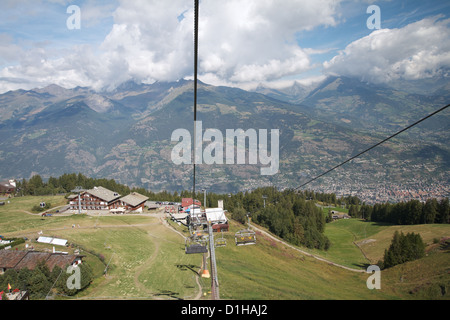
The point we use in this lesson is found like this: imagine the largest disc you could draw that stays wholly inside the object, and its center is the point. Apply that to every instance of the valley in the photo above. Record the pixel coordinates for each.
(224, 158)
(126, 135)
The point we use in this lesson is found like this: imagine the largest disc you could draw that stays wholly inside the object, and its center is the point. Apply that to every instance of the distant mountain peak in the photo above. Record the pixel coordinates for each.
(129, 85)
(292, 94)
(53, 89)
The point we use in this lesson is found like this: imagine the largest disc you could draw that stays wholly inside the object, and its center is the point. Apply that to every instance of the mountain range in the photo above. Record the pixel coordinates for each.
(125, 134)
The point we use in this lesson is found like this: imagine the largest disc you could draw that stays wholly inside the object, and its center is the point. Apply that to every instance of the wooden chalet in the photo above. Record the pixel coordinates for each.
(134, 202)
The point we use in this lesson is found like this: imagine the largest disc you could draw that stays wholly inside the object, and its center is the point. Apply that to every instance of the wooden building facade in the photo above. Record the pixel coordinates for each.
(98, 198)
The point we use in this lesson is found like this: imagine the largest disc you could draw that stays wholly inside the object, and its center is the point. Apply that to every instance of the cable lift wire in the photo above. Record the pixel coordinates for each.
(199, 247)
(196, 14)
(374, 146)
(195, 243)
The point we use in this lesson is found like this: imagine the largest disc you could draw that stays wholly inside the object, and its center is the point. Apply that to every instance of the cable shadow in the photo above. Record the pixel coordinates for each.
(185, 267)
(168, 293)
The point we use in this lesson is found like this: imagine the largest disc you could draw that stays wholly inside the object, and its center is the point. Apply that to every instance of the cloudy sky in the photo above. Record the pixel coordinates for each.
(241, 42)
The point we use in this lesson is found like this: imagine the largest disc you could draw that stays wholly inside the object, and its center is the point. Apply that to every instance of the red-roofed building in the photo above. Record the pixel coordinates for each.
(186, 202)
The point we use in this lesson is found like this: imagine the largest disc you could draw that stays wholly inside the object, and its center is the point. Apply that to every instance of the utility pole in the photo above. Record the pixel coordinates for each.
(204, 198)
(78, 190)
(196, 18)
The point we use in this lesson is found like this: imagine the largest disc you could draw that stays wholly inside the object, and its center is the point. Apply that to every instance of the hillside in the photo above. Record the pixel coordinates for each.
(125, 135)
(147, 260)
(380, 109)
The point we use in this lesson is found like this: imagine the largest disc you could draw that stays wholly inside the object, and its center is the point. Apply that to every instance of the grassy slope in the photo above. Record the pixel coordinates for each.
(375, 249)
(427, 278)
(270, 270)
(148, 260)
(343, 235)
(130, 247)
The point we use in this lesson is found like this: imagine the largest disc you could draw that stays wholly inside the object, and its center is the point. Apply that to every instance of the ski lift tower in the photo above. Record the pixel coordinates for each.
(212, 255)
(78, 190)
(204, 198)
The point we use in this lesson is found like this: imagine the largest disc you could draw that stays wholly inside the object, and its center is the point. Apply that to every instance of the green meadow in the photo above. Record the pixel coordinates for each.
(144, 259)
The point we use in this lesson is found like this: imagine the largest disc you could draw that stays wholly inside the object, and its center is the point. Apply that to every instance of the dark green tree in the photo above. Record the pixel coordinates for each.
(430, 211)
(240, 215)
(443, 211)
(404, 248)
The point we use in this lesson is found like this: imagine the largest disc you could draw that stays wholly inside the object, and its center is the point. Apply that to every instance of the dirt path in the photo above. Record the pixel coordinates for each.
(161, 219)
(197, 277)
(143, 267)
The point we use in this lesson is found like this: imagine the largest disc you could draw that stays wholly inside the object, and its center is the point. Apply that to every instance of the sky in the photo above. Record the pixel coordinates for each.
(242, 43)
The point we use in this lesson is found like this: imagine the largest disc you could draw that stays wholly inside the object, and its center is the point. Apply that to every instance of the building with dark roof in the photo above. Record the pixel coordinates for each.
(12, 259)
(133, 202)
(100, 198)
(9, 259)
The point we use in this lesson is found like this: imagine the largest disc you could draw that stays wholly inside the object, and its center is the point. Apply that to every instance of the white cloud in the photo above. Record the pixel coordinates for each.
(416, 51)
(247, 41)
(94, 12)
(239, 42)
(295, 63)
(149, 37)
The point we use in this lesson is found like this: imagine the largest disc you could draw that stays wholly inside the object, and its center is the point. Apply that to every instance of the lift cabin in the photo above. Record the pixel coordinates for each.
(220, 242)
(195, 244)
(245, 237)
